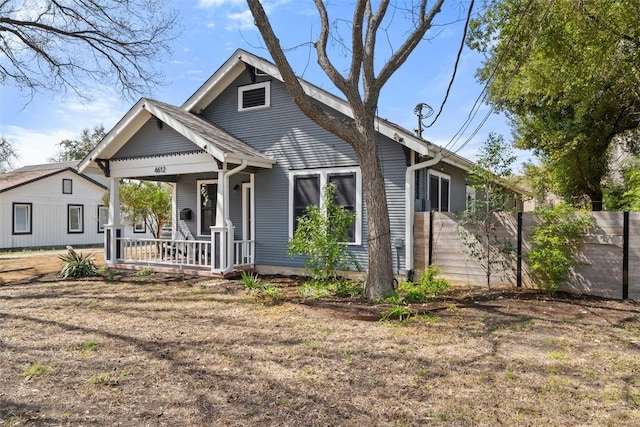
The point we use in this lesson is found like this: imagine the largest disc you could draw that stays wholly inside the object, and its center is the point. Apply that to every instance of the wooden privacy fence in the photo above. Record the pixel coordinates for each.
(609, 261)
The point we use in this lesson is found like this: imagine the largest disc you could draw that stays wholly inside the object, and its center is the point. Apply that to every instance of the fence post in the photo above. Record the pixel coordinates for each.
(519, 245)
(430, 237)
(625, 255)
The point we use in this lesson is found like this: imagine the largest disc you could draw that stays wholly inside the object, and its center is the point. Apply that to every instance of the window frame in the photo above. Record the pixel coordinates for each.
(324, 179)
(80, 229)
(105, 209)
(67, 181)
(199, 205)
(267, 95)
(29, 221)
(139, 230)
(440, 176)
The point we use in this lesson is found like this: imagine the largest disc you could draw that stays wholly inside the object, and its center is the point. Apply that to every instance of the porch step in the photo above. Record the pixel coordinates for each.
(192, 271)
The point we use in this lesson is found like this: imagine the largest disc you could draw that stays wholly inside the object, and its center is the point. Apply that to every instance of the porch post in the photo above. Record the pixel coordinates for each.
(221, 201)
(113, 228)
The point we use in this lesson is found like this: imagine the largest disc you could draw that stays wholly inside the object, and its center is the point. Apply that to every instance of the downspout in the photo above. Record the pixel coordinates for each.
(227, 220)
(409, 184)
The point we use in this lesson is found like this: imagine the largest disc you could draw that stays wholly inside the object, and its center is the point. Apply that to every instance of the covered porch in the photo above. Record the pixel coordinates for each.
(211, 174)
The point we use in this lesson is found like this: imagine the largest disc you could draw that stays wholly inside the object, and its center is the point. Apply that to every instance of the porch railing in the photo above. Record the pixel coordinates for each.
(196, 253)
(192, 253)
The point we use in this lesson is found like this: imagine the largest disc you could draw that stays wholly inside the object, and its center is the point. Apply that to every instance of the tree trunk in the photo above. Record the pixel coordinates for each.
(380, 266)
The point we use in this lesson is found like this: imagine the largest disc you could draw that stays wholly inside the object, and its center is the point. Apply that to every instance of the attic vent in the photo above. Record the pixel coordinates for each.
(254, 96)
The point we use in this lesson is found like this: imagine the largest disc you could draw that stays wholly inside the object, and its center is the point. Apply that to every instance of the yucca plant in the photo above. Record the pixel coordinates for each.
(77, 265)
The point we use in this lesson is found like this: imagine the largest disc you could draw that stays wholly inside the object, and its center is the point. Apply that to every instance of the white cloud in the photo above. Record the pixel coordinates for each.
(219, 3)
(240, 21)
(36, 146)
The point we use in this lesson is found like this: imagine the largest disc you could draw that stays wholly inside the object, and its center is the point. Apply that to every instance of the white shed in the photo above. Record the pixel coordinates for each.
(46, 206)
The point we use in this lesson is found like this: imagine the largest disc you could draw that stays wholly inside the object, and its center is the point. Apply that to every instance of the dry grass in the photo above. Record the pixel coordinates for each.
(152, 350)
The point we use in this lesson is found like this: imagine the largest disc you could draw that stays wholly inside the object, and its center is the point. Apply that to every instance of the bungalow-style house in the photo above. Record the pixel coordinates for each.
(52, 205)
(245, 162)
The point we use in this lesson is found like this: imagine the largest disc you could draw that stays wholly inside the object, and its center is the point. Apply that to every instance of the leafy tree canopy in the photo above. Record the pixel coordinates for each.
(566, 73)
(145, 201)
(77, 149)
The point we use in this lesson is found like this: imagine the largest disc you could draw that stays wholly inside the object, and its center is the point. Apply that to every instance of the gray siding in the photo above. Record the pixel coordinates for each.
(150, 140)
(295, 142)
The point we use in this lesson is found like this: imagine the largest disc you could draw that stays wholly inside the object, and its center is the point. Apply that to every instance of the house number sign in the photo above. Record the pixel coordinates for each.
(160, 169)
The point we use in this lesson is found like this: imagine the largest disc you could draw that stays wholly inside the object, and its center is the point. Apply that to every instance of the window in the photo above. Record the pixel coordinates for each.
(208, 196)
(139, 227)
(103, 217)
(439, 191)
(307, 187)
(67, 186)
(75, 219)
(22, 220)
(254, 96)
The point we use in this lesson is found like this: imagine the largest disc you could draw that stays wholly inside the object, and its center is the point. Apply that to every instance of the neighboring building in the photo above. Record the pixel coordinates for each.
(244, 162)
(46, 206)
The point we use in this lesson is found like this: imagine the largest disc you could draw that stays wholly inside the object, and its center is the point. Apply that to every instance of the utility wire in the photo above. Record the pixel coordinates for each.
(455, 66)
(483, 93)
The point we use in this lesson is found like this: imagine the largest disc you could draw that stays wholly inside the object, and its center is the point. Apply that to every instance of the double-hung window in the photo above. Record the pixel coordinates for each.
(439, 184)
(75, 219)
(207, 201)
(22, 219)
(306, 189)
(103, 217)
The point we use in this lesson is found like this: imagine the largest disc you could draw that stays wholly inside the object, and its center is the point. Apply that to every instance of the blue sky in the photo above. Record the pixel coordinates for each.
(213, 29)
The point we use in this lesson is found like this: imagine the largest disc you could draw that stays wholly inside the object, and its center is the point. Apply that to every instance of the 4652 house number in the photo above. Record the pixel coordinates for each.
(160, 169)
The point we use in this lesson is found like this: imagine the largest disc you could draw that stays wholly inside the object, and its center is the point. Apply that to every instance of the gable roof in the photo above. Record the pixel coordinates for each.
(206, 136)
(236, 64)
(28, 174)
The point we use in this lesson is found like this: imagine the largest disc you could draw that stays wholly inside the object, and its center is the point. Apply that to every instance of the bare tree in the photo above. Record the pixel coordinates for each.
(60, 45)
(360, 132)
(7, 154)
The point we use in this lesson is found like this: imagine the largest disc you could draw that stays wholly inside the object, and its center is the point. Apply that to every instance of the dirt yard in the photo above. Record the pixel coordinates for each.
(156, 350)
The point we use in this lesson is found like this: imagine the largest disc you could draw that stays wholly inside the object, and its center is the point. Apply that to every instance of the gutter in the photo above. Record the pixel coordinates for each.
(410, 203)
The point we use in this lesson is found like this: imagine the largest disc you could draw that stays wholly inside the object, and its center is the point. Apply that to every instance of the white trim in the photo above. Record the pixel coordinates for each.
(440, 176)
(267, 95)
(248, 212)
(80, 209)
(323, 174)
(163, 165)
(28, 222)
(199, 204)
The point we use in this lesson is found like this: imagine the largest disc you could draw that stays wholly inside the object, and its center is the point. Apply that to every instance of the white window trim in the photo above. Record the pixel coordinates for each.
(199, 203)
(440, 176)
(142, 229)
(267, 95)
(80, 228)
(28, 219)
(105, 210)
(324, 173)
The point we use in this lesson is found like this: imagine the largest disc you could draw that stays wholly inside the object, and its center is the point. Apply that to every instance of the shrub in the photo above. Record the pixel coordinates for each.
(250, 280)
(427, 287)
(77, 265)
(320, 236)
(555, 244)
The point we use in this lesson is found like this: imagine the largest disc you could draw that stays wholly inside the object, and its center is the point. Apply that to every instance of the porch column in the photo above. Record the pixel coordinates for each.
(113, 228)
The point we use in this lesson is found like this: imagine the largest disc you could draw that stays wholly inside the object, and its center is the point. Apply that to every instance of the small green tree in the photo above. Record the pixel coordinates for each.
(77, 149)
(478, 229)
(145, 201)
(321, 236)
(555, 244)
